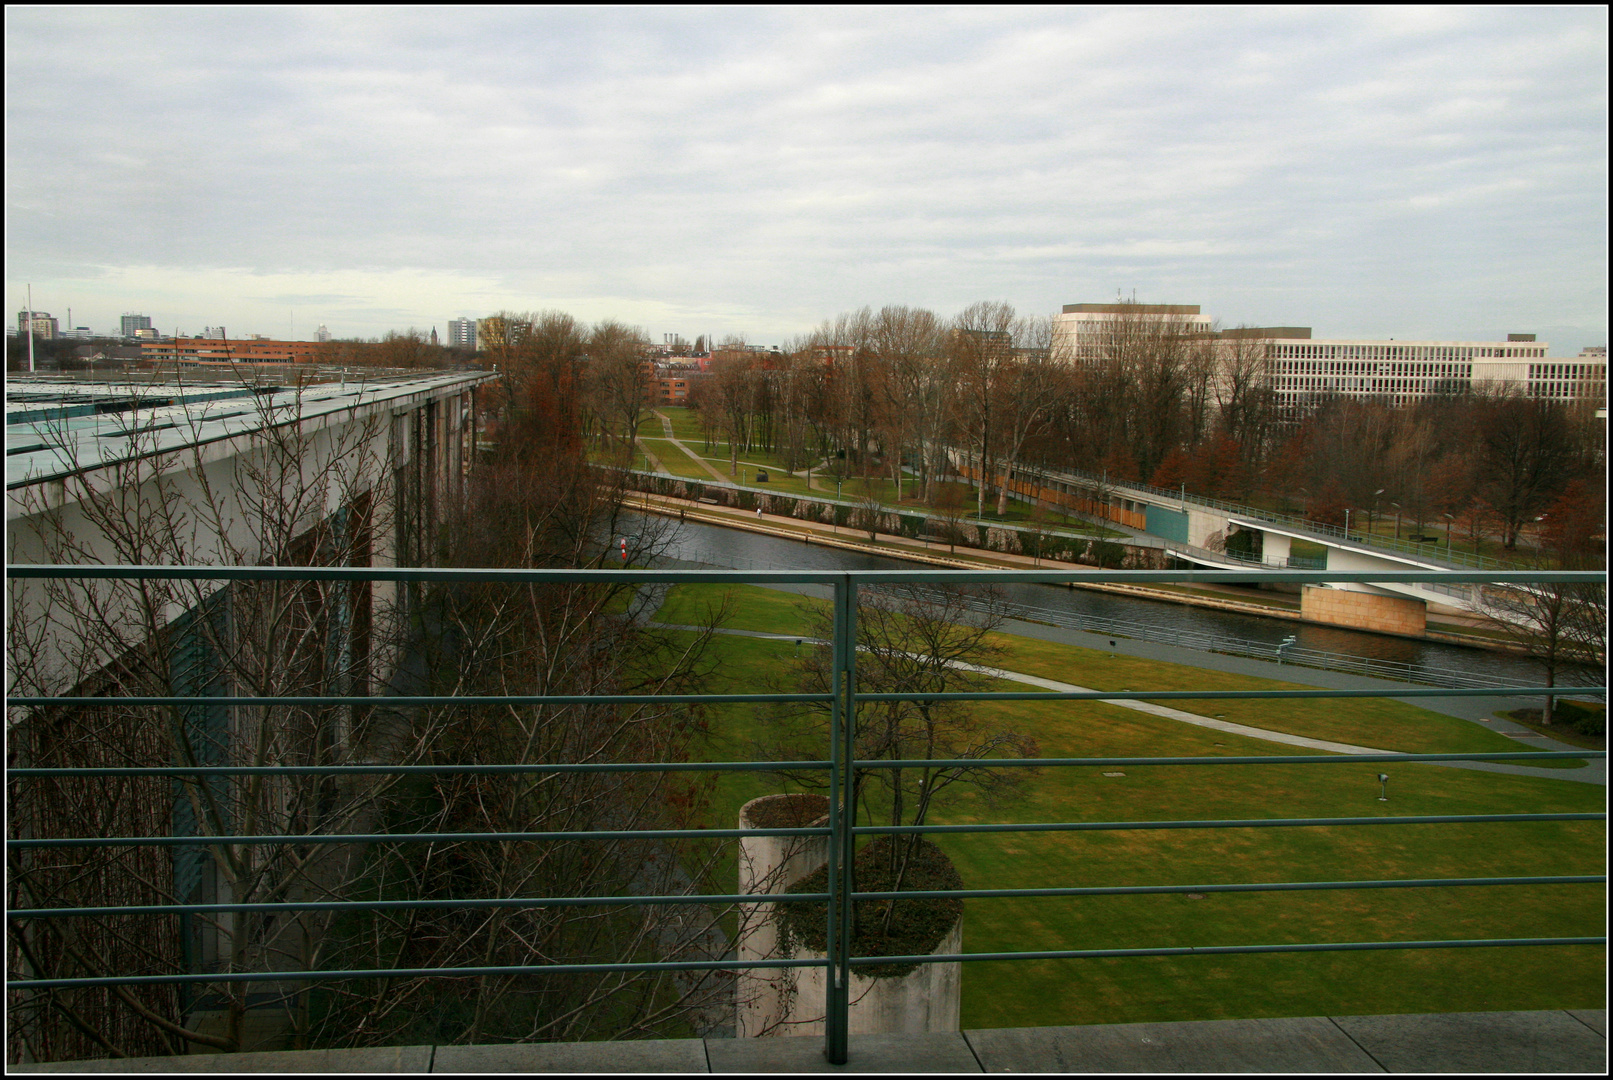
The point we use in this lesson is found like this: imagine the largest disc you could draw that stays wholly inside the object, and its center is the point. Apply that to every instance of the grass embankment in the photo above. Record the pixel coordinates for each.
(1216, 986)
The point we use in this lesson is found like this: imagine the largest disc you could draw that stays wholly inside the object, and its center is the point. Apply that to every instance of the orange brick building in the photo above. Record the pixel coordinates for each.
(222, 352)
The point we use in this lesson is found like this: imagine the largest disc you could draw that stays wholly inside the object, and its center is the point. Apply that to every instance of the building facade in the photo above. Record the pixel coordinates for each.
(218, 352)
(44, 326)
(1299, 369)
(130, 324)
(462, 333)
(206, 475)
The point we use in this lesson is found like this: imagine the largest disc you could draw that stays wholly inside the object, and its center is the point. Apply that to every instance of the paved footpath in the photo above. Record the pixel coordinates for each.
(1477, 710)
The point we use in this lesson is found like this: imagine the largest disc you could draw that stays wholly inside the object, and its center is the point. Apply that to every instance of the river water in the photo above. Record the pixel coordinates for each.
(734, 548)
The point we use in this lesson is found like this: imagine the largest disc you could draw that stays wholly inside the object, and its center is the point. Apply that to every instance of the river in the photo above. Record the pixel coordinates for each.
(713, 545)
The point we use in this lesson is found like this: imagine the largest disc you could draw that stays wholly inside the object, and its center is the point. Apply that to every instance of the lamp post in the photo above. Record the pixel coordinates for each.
(1450, 520)
(1346, 523)
(1373, 513)
(1397, 519)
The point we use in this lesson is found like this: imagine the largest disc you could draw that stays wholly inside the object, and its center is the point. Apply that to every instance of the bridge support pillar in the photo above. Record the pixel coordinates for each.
(1364, 611)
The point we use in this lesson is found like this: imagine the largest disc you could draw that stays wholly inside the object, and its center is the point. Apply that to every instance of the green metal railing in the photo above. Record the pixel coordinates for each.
(840, 764)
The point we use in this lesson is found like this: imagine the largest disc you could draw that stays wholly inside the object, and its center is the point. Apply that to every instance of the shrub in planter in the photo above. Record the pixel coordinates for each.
(917, 926)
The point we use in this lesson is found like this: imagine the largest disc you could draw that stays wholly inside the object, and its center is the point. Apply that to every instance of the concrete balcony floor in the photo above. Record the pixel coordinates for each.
(1495, 1042)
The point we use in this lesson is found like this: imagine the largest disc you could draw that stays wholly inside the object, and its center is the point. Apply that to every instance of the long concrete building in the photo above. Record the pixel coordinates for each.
(1299, 368)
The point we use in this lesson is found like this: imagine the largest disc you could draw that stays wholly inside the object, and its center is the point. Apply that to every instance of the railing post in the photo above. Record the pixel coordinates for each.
(842, 816)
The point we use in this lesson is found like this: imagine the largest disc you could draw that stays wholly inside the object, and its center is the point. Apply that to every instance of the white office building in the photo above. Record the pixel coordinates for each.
(1300, 368)
(462, 333)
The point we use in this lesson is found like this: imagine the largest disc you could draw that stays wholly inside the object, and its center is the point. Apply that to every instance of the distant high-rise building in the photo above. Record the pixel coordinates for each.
(78, 333)
(462, 333)
(322, 334)
(215, 332)
(132, 322)
(43, 325)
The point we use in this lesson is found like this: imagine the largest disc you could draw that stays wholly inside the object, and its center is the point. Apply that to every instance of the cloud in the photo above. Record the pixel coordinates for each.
(765, 168)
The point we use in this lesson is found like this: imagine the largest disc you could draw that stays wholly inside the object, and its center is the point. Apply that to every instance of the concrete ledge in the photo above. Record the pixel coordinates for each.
(935, 1053)
(627, 1056)
(1497, 1042)
(1288, 1045)
(1521, 1042)
(379, 1059)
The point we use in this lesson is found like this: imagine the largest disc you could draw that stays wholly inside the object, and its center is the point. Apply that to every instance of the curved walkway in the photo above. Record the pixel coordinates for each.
(1594, 771)
(1071, 688)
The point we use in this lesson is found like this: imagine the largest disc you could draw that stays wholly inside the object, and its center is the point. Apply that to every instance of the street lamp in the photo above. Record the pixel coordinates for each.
(1397, 519)
(1373, 513)
(1450, 520)
(1346, 523)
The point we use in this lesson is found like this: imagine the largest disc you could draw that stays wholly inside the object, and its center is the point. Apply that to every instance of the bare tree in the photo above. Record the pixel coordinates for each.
(912, 640)
(982, 350)
(304, 493)
(1561, 625)
(1526, 455)
(618, 383)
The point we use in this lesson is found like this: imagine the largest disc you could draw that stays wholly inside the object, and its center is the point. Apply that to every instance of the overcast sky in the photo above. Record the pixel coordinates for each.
(1407, 173)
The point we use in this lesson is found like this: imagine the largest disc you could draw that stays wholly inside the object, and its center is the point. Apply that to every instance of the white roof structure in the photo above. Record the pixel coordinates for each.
(56, 427)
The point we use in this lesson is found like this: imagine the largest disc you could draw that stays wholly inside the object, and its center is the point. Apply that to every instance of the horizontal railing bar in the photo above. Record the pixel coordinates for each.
(788, 898)
(404, 905)
(398, 838)
(735, 965)
(1234, 823)
(685, 834)
(419, 770)
(413, 701)
(1207, 695)
(710, 699)
(1222, 950)
(1285, 886)
(517, 576)
(1273, 759)
(407, 973)
(780, 766)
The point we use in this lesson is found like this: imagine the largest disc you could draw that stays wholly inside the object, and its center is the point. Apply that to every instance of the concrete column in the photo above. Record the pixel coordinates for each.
(1275, 547)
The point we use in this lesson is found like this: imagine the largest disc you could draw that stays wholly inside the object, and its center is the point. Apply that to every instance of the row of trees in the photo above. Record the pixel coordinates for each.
(1150, 401)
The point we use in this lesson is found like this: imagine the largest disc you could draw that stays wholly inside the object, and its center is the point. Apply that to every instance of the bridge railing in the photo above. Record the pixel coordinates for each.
(1425, 551)
(840, 762)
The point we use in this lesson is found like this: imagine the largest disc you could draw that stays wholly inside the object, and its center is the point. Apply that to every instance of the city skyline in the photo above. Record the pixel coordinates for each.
(1406, 173)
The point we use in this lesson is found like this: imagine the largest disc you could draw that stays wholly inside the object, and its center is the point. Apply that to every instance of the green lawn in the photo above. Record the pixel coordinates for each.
(673, 459)
(1375, 722)
(1211, 986)
(685, 422)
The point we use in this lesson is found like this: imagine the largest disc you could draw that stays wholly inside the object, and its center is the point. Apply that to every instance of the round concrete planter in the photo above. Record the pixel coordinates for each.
(790, 1001)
